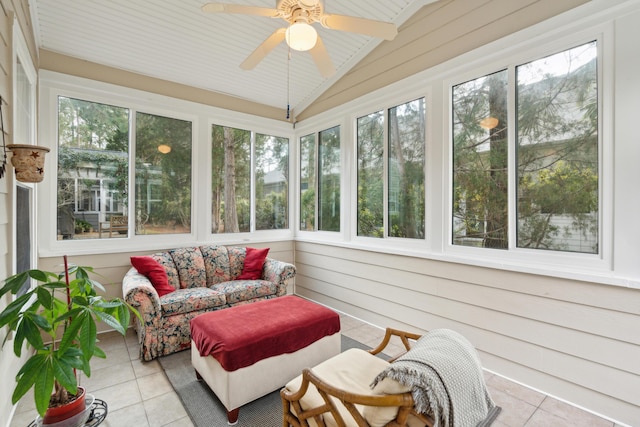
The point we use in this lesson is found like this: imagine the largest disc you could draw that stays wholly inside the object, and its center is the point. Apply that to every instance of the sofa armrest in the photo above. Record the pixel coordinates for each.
(138, 291)
(278, 272)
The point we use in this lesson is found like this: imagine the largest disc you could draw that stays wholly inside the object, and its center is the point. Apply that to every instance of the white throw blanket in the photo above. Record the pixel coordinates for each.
(445, 375)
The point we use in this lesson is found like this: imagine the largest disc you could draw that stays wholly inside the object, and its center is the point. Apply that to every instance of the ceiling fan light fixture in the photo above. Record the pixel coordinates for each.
(301, 36)
(164, 148)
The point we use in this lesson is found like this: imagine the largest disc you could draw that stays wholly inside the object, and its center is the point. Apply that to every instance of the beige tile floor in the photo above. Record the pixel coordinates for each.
(138, 393)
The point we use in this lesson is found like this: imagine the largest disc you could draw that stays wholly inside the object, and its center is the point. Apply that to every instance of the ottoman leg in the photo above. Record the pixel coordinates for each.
(232, 416)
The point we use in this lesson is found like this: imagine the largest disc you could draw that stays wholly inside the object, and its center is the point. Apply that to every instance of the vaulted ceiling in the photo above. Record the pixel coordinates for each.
(175, 40)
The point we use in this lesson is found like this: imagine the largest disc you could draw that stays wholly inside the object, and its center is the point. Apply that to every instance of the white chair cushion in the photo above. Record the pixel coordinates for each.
(353, 371)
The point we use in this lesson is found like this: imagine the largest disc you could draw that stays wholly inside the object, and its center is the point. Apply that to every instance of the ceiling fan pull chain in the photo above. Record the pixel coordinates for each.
(288, 84)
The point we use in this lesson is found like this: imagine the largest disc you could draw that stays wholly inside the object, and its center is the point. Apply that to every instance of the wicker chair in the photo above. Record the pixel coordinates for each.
(310, 400)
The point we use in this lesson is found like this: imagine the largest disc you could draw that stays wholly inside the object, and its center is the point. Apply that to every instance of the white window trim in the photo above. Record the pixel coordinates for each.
(21, 54)
(593, 21)
(54, 84)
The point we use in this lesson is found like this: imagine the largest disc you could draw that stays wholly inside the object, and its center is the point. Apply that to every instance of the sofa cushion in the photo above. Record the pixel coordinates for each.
(216, 264)
(190, 265)
(253, 263)
(155, 272)
(245, 290)
(165, 260)
(191, 299)
(236, 260)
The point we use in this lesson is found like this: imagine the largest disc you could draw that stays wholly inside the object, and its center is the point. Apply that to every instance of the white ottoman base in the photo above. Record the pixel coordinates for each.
(244, 385)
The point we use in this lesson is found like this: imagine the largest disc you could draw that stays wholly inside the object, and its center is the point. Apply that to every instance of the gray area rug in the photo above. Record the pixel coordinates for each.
(204, 408)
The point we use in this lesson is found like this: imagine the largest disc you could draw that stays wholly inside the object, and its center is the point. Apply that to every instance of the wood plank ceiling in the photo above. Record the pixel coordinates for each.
(174, 40)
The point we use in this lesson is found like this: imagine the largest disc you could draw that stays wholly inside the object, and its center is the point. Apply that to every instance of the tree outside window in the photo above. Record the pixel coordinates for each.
(556, 155)
(163, 175)
(308, 182)
(93, 170)
(404, 187)
(231, 179)
(272, 182)
(329, 180)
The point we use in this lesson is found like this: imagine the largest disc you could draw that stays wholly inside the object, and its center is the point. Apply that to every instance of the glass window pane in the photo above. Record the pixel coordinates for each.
(163, 175)
(308, 182)
(93, 167)
(231, 180)
(480, 150)
(557, 102)
(371, 175)
(329, 180)
(272, 179)
(406, 170)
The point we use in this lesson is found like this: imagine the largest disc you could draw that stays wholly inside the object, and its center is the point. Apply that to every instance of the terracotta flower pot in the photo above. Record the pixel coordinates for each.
(28, 160)
(61, 413)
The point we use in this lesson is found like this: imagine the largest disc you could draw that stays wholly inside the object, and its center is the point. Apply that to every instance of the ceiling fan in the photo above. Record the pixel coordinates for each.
(300, 34)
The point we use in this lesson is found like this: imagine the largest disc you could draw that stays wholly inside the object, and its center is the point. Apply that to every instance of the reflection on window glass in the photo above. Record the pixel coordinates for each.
(163, 175)
(558, 152)
(272, 178)
(231, 180)
(406, 170)
(308, 182)
(480, 162)
(371, 175)
(93, 145)
(329, 180)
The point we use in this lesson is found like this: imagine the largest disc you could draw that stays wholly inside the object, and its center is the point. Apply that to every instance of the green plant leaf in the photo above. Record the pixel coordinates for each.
(14, 309)
(43, 386)
(30, 330)
(111, 321)
(26, 376)
(71, 332)
(44, 296)
(64, 373)
(88, 337)
(14, 283)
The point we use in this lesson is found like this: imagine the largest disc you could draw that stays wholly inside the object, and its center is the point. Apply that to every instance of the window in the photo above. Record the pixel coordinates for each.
(94, 171)
(93, 166)
(308, 182)
(163, 175)
(231, 179)
(556, 155)
(321, 177)
(404, 186)
(272, 179)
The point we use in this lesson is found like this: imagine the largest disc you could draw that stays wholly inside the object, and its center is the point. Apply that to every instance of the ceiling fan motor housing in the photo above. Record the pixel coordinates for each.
(291, 10)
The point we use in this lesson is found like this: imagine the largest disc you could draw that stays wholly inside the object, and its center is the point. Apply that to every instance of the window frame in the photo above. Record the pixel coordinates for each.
(202, 117)
(533, 259)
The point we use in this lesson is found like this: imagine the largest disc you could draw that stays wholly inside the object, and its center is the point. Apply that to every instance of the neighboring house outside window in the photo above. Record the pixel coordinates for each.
(556, 155)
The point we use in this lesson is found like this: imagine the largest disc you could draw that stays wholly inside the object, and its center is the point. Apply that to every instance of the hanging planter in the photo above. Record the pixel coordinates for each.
(28, 160)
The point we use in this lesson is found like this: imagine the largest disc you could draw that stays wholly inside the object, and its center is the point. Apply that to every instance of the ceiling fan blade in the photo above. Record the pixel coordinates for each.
(238, 8)
(321, 58)
(352, 24)
(264, 49)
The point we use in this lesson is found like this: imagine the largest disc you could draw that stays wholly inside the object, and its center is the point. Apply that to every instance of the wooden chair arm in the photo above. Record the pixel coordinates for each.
(290, 399)
(390, 332)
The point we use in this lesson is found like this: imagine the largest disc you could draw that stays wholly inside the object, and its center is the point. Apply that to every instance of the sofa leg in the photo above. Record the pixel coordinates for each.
(198, 376)
(232, 416)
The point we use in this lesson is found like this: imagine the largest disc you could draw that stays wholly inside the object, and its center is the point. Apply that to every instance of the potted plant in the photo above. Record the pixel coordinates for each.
(58, 319)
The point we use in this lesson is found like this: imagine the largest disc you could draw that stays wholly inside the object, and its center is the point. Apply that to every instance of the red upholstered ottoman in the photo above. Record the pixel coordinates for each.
(247, 351)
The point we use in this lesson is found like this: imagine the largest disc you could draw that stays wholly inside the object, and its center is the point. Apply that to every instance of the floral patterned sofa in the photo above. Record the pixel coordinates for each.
(204, 279)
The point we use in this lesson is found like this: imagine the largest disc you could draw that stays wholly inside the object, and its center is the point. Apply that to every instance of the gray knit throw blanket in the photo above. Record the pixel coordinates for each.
(445, 376)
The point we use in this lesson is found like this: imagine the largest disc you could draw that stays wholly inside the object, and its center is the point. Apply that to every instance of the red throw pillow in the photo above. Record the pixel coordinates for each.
(253, 262)
(154, 271)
